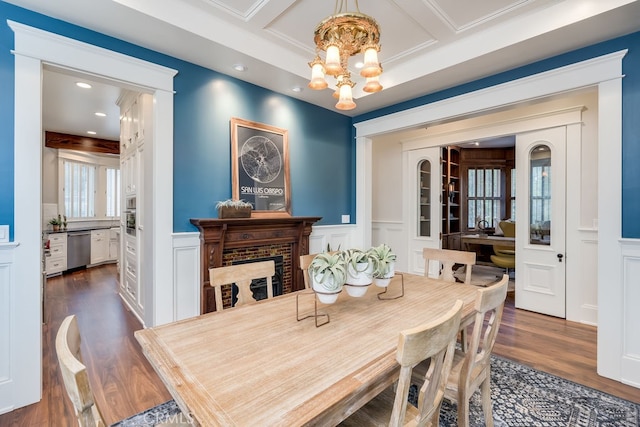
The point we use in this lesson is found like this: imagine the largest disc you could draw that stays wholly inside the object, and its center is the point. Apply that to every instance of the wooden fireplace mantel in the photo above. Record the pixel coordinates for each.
(218, 235)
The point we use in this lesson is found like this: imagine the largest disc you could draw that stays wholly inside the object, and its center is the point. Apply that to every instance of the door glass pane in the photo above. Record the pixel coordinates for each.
(540, 195)
(424, 198)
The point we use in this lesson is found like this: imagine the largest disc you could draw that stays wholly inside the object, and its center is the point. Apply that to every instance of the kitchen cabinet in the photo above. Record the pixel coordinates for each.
(99, 246)
(114, 244)
(56, 260)
(137, 108)
(131, 284)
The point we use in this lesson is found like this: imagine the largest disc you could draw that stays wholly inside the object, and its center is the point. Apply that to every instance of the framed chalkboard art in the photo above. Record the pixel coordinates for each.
(260, 167)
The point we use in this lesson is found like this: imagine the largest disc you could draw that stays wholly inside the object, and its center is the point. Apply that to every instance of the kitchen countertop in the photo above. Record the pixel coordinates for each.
(97, 227)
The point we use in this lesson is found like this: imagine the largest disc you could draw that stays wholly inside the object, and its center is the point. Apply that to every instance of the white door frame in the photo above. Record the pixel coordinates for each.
(33, 49)
(604, 73)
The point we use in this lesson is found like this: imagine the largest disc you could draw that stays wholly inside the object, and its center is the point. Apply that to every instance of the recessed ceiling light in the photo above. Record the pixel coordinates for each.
(100, 114)
(359, 64)
(297, 89)
(91, 132)
(83, 85)
(240, 67)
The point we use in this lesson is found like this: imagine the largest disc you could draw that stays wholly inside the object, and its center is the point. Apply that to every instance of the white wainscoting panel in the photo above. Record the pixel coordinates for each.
(186, 275)
(393, 234)
(6, 285)
(336, 236)
(630, 366)
(582, 295)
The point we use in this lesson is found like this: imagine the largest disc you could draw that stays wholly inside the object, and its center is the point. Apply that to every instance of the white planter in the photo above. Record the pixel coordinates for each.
(328, 292)
(383, 282)
(361, 275)
(356, 290)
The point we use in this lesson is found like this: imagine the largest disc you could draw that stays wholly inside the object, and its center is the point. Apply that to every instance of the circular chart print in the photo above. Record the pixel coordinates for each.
(261, 159)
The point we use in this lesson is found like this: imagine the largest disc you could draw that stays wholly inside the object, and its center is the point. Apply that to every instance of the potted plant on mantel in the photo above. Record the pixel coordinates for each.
(234, 209)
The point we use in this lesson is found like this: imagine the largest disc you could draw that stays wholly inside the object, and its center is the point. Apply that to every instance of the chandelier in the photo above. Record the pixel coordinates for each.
(341, 36)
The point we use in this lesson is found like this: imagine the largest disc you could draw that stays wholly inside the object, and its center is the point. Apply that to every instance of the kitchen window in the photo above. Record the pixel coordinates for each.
(89, 186)
(79, 189)
(113, 192)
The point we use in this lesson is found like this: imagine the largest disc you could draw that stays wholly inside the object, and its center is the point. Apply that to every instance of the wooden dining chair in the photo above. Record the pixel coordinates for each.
(472, 369)
(241, 275)
(446, 259)
(433, 342)
(74, 374)
(305, 262)
(76, 378)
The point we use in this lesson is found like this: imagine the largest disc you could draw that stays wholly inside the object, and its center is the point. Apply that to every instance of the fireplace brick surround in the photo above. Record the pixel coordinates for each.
(223, 241)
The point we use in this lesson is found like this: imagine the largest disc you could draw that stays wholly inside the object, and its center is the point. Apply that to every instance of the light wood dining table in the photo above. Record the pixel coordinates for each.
(257, 365)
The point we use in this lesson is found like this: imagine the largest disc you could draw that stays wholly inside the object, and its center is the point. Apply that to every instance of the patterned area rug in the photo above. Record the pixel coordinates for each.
(521, 396)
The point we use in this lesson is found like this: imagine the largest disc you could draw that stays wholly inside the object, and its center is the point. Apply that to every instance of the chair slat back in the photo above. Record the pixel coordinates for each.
(489, 306)
(434, 341)
(74, 374)
(446, 259)
(242, 275)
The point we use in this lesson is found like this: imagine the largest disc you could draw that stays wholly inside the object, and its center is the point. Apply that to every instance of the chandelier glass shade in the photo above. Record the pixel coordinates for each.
(341, 36)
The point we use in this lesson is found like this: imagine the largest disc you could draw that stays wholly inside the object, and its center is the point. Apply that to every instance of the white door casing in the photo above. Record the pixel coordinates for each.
(412, 181)
(540, 258)
(33, 49)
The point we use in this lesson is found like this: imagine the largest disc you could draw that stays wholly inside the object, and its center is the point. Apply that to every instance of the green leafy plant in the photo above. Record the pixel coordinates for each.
(383, 258)
(358, 259)
(55, 220)
(329, 265)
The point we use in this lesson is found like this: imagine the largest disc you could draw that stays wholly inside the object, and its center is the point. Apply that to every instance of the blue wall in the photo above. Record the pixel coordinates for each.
(630, 112)
(321, 148)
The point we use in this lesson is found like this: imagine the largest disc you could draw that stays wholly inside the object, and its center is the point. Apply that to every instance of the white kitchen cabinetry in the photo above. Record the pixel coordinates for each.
(56, 261)
(129, 173)
(99, 246)
(136, 111)
(130, 284)
(114, 244)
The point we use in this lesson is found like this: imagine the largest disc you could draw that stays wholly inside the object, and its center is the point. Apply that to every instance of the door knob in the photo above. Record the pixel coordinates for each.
(560, 256)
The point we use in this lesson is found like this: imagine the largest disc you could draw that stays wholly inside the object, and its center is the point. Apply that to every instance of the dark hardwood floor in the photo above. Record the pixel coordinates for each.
(125, 384)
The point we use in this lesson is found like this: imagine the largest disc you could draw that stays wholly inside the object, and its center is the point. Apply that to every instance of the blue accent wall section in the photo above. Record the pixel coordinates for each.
(320, 143)
(630, 111)
(6, 126)
(320, 150)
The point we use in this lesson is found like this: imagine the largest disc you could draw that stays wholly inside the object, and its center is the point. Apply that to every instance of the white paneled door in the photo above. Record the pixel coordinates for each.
(540, 221)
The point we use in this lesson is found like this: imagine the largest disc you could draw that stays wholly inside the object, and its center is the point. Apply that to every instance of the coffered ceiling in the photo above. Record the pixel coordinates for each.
(427, 45)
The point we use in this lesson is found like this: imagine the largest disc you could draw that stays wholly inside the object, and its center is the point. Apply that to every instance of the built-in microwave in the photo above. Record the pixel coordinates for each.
(130, 216)
(130, 221)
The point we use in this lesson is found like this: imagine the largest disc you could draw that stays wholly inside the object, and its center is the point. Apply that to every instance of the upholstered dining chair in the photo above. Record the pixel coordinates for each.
(471, 370)
(504, 256)
(305, 262)
(433, 342)
(446, 259)
(76, 378)
(242, 275)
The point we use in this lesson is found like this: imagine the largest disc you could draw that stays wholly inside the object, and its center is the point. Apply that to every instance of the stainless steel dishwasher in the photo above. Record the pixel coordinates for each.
(78, 249)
